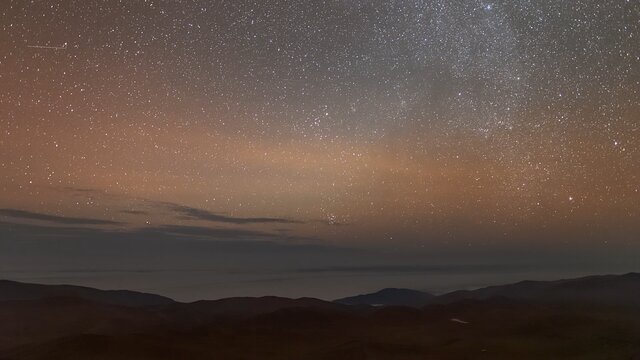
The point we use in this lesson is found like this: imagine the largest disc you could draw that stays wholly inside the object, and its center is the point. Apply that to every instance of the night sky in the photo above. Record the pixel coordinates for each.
(312, 137)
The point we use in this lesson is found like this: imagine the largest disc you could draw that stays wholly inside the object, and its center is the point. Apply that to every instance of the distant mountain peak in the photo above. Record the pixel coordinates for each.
(617, 290)
(18, 291)
(389, 297)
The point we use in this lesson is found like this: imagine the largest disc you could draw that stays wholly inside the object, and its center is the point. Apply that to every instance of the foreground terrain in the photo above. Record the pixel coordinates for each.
(44, 322)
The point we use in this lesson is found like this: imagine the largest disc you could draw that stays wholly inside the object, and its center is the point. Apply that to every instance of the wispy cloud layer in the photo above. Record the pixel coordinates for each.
(191, 213)
(28, 215)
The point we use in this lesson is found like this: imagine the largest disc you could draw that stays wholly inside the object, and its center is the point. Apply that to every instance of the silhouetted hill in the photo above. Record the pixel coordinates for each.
(16, 291)
(244, 307)
(28, 321)
(493, 326)
(490, 330)
(389, 297)
(613, 290)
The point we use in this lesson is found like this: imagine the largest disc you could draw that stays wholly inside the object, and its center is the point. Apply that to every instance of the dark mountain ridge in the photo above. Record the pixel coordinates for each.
(524, 320)
(612, 290)
(18, 291)
(389, 297)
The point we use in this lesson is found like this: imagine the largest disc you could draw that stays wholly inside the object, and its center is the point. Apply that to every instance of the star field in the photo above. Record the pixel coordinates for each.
(402, 123)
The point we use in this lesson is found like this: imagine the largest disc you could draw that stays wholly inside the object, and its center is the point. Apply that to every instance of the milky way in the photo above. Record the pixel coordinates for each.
(421, 124)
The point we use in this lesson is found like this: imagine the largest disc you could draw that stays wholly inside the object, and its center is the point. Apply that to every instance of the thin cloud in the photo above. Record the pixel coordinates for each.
(191, 213)
(210, 233)
(28, 215)
(17, 230)
(385, 269)
(184, 212)
(134, 212)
